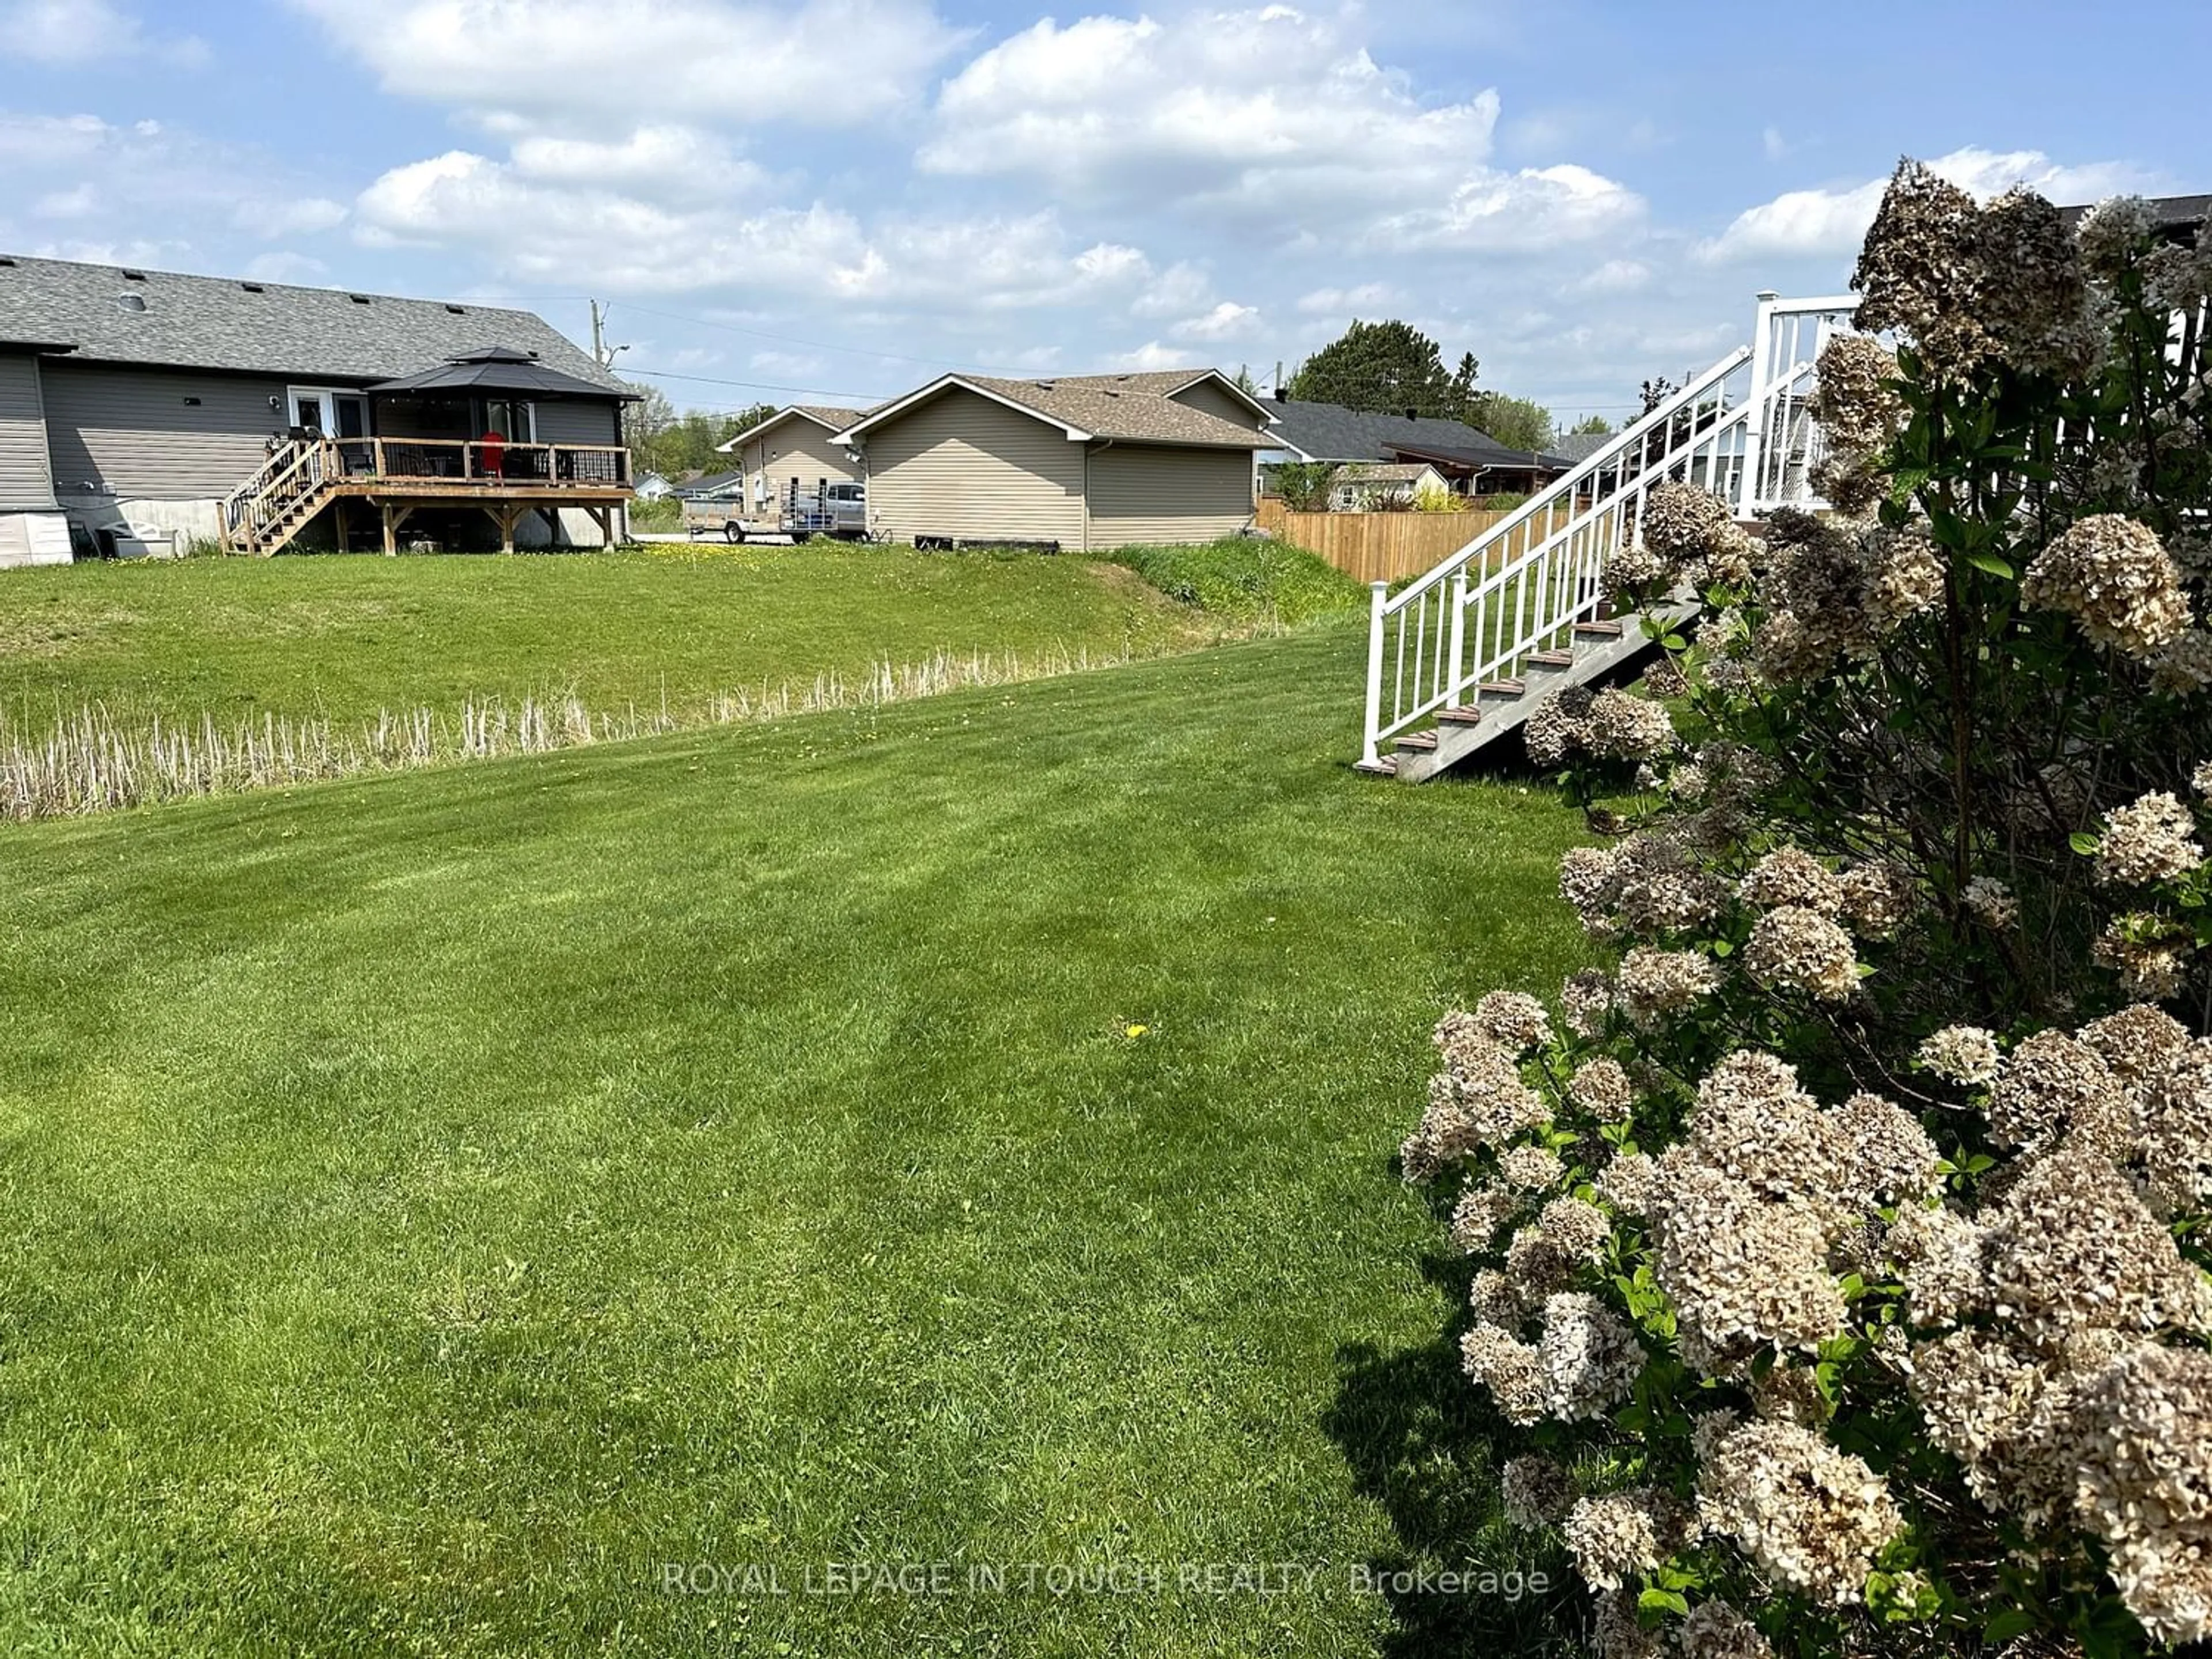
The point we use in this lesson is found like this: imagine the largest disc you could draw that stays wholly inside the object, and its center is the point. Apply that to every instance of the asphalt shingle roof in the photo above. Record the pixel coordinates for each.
(273, 328)
(1135, 407)
(1330, 432)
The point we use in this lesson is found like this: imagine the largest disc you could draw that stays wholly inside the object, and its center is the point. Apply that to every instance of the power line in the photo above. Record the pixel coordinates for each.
(752, 386)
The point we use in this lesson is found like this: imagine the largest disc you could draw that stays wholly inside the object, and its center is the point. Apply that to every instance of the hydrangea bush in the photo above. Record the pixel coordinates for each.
(1839, 1255)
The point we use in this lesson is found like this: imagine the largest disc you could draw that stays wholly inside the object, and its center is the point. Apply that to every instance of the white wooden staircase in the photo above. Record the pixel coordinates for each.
(1461, 656)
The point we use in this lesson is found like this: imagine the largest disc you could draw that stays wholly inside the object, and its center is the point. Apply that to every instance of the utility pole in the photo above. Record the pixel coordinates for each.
(602, 353)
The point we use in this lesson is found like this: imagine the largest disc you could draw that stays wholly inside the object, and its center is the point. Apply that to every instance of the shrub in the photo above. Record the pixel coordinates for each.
(1245, 577)
(1841, 1251)
(1433, 498)
(1305, 486)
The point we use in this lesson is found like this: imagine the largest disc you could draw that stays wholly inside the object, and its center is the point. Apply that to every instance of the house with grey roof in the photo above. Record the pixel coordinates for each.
(1475, 463)
(1084, 461)
(141, 407)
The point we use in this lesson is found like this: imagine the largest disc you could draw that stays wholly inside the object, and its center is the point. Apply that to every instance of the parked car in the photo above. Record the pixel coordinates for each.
(838, 510)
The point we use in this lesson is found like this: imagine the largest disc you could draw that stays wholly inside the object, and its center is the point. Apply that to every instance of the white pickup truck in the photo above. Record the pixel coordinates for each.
(839, 511)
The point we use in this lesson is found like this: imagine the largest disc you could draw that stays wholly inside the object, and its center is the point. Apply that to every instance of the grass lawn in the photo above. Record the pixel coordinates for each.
(347, 637)
(432, 1202)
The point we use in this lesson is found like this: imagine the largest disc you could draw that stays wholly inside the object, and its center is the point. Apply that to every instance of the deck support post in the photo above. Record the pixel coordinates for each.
(391, 532)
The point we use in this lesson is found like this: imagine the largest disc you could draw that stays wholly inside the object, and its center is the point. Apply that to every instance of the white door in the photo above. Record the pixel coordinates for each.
(330, 411)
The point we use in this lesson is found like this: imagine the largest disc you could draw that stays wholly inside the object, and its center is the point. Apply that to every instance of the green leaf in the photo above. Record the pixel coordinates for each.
(1990, 563)
(2084, 843)
(1666, 1602)
(2013, 1622)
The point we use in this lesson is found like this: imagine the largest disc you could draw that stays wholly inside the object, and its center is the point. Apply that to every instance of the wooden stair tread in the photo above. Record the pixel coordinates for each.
(1551, 658)
(1458, 714)
(1504, 688)
(1608, 630)
(1418, 741)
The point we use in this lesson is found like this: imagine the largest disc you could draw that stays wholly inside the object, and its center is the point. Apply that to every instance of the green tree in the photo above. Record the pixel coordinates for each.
(1591, 426)
(1516, 423)
(1387, 367)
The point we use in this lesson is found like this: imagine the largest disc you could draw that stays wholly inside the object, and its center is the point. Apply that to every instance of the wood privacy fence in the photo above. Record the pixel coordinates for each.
(1377, 547)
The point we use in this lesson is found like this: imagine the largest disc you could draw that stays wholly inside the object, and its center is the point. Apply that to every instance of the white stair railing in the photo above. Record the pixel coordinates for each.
(1742, 429)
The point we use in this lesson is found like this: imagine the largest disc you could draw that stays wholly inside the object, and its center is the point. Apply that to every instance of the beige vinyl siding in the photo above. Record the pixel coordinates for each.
(573, 421)
(793, 448)
(961, 465)
(24, 479)
(1211, 397)
(1157, 493)
(130, 431)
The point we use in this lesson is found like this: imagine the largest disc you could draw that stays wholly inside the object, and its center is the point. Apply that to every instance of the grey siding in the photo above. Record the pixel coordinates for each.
(132, 431)
(793, 448)
(1157, 493)
(962, 465)
(1211, 397)
(565, 421)
(24, 479)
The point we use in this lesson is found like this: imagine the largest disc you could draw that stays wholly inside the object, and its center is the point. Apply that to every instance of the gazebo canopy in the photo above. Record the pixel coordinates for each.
(498, 369)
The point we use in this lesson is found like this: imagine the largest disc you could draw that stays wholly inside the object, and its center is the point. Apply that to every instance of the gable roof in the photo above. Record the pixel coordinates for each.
(829, 417)
(1330, 432)
(125, 314)
(713, 484)
(1580, 446)
(1383, 471)
(1125, 407)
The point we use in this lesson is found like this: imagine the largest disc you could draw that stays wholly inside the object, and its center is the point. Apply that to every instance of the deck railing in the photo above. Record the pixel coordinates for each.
(1742, 429)
(472, 461)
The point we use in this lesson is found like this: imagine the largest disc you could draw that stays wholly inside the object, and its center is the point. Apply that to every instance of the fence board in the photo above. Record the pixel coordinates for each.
(1377, 547)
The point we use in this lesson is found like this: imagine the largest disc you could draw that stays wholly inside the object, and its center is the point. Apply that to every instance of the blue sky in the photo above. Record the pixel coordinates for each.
(839, 198)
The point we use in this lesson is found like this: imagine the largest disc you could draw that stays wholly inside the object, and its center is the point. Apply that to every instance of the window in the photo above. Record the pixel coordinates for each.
(512, 418)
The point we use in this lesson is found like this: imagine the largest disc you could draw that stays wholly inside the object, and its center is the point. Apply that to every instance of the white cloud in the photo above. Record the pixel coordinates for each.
(1267, 115)
(785, 365)
(1772, 141)
(1226, 321)
(76, 203)
(1808, 224)
(1341, 302)
(70, 32)
(302, 216)
(1151, 357)
(1528, 211)
(566, 64)
(1616, 276)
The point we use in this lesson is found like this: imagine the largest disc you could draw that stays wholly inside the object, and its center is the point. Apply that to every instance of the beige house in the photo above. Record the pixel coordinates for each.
(796, 445)
(1081, 462)
(1378, 486)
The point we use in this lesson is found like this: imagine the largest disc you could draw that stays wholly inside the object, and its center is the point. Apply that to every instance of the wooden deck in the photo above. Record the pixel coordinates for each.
(399, 476)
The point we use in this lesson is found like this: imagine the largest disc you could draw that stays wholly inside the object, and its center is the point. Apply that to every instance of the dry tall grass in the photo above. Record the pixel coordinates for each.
(91, 761)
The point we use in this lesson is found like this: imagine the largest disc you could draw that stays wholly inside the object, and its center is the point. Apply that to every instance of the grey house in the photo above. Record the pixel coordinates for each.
(1473, 462)
(137, 406)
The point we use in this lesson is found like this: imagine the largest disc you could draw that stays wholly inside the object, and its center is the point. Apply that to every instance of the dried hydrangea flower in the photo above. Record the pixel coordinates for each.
(1497, 1300)
(1602, 1088)
(1920, 270)
(1557, 725)
(1616, 1632)
(1754, 1124)
(1665, 679)
(1586, 879)
(1585, 999)
(2035, 293)
(1714, 1629)
(2148, 951)
(1904, 577)
(1510, 1369)
(2051, 1086)
(1793, 949)
(1790, 1393)
(1680, 523)
(1534, 1492)
(1577, 1227)
(2201, 779)
(2151, 839)
(2003, 1415)
(1590, 1355)
(1807, 1514)
(1625, 727)
(1892, 1159)
(1630, 1183)
(1877, 899)
(1990, 903)
(1658, 985)
(1623, 1535)
(1531, 1169)
(1789, 876)
(2183, 666)
(2138, 1042)
(1482, 1209)
(2146, 1486)
(1856, 400)
(1658, 889)
(2113, 577)
(1514, 1020)
(1964, 1054)
(1743, 1274)
(2071, 1247)
(1537, 1266)
(2175, 1132)
(1937, 1253)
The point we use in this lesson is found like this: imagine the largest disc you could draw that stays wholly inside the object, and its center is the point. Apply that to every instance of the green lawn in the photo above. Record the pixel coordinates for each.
(347, 637)
(433, 1202)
